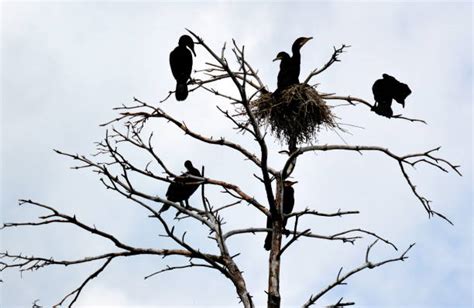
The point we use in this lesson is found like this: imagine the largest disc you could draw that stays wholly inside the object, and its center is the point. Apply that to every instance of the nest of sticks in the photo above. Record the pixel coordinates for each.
(295, 115)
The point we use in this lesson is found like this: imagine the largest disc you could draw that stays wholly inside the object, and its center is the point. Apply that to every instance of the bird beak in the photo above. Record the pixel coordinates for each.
(292, 182)
(192, 49)
(306, 40)
(277, 58)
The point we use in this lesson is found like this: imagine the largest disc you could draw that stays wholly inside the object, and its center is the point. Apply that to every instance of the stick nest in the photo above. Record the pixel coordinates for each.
(295, 115)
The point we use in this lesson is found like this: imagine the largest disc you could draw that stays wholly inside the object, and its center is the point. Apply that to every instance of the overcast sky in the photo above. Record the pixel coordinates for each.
(66, 65)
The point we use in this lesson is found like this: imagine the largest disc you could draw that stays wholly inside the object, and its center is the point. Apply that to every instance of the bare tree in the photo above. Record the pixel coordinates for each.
(121, 174)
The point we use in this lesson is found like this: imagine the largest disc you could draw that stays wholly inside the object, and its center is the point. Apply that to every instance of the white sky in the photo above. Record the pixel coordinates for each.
(66, 65)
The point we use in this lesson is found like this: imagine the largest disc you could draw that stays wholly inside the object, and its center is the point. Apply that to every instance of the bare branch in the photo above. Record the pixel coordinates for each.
(78, 291)
(353, 100)
(334, 58)
(307, 211)
(410, 160)
(340, 304)
(171, 268)
(369, 233)
(256, 129)
(295, 237)
(305, 233)
(159, 113)
(32, 263)
(340, 279)
(63, 218)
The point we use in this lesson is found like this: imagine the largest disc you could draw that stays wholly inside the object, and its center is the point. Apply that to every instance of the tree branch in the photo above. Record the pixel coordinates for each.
(353, 100)
(410, 160)
(78, 291)
(340, 279)
(171, 268)
(307, 211)
(334, 58)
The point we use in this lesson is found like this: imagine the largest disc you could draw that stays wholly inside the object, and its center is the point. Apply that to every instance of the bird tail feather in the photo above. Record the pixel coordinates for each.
(268, 241)
(164, 208)
(181, 91)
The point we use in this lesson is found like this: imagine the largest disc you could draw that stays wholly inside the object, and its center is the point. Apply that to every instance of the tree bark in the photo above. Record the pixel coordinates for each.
(274, 298)
(239, 283)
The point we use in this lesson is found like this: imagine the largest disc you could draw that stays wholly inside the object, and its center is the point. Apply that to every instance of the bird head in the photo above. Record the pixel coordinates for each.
(289, 183)
(187, 41)
(281, 56)
(188, 165)
(300, 42)
(389, 78)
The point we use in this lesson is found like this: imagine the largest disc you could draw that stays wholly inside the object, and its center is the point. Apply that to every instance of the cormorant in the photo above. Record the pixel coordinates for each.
(400, 90)
(384, 91)
(290, 66)
(296, 58)
(288, 204)
(182, 187)
(383, 98)
(283, 80)
(181, 62)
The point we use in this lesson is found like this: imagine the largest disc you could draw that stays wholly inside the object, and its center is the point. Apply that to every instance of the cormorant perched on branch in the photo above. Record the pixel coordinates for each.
(288, 204)
(182, 187)
(400, 90)
(290, 66)
(384, 91)
(181, 62)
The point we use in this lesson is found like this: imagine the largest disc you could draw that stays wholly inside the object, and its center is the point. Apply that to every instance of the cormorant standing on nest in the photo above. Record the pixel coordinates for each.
(181, 62)
(284, 80)
(290, 66)
(182, 187)
(296, 58)
(385, 90)
(288, 204)
(289, 74)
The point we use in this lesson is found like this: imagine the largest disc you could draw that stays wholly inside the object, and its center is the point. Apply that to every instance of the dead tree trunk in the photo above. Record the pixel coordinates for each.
(274, 298)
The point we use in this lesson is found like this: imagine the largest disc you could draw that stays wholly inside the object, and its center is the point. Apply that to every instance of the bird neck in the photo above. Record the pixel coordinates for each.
(296, 55)
(288, 190)
(194, 171)
(295, 48)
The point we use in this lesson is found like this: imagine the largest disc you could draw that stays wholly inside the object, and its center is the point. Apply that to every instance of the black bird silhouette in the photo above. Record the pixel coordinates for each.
(284, 80)
(400, 90)
(181, 62)
(288, 204)
(290, 66)
(384, 91)
(296, 58)
(182, 187)
(383, 98)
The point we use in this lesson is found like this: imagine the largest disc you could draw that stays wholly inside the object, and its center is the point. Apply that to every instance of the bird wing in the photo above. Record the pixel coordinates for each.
(288, 199)
(381, 92)
(187, 63)
(173, 192)
(174, 62)
(181, 63)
